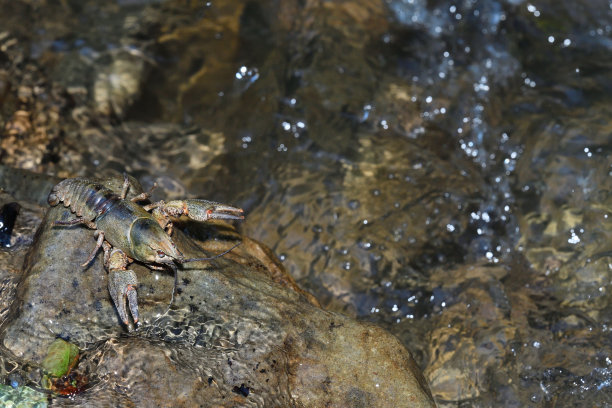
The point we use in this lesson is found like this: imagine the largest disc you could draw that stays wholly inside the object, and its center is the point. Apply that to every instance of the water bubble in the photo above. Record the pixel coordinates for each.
(245, 141)
(365, 244)
(551, 39)
(240, 72)
(532, 9)
(574, 239)
(354, 204)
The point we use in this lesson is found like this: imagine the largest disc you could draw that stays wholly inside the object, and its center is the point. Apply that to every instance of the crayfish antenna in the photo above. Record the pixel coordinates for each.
(212, 257)
(175, 270)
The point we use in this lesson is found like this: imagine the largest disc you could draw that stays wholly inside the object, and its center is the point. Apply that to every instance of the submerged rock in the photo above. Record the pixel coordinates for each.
(239, 333)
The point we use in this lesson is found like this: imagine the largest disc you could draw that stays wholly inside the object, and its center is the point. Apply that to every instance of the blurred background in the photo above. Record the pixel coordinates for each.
(439, 168)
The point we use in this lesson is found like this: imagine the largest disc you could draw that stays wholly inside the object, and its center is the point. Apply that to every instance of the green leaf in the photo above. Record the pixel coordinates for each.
(61, 357)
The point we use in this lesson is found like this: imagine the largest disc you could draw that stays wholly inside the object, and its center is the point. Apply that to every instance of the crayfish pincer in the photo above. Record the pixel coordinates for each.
(128, 231)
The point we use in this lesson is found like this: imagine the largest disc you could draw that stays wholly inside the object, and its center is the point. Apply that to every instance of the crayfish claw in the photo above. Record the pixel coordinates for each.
(203, 210)
(133, 303)
(122, 287)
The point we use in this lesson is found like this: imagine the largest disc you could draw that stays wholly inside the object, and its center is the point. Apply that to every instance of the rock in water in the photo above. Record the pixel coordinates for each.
(240, 331)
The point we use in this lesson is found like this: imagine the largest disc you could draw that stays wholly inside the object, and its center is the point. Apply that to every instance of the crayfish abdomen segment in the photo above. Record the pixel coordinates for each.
(87, 199)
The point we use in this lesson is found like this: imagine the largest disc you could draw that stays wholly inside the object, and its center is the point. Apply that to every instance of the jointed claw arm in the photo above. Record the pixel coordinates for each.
(198, 210)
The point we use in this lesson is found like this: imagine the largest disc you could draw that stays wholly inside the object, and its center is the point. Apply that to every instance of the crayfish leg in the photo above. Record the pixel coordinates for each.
(144, 196)
(96, 249)
(76, 221)
(126, 186)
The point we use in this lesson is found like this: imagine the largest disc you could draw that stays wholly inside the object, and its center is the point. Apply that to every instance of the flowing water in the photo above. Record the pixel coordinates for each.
(440, 168)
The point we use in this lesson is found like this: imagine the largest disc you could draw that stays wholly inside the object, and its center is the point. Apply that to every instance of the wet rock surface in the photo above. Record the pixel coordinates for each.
(240, 332)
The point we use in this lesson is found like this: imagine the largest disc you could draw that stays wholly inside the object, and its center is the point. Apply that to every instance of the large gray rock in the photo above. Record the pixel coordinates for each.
(239, 333)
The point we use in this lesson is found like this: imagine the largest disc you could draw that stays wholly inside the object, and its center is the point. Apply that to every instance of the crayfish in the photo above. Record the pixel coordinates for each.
(128, 231)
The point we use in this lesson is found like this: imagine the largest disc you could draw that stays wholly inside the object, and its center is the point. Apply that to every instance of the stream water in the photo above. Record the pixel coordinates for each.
(440, 168)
